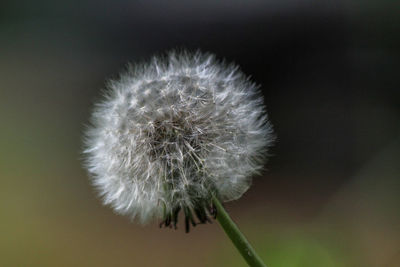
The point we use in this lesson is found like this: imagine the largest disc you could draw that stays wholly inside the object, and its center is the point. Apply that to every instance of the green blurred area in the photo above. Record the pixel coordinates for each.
(52, 68)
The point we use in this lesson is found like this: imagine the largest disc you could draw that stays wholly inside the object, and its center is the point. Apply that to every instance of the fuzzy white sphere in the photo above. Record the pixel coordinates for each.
(170, 133)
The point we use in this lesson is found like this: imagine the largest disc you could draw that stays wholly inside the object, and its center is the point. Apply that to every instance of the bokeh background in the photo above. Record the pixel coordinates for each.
(329, 71)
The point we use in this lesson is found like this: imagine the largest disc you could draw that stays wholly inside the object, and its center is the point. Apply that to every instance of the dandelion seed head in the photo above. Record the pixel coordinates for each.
(170, 133)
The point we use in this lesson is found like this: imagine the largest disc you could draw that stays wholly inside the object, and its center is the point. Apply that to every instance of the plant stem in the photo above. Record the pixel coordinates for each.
(237, 238)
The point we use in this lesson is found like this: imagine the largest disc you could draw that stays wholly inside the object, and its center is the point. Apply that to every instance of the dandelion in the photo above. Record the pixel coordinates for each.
(177, 134)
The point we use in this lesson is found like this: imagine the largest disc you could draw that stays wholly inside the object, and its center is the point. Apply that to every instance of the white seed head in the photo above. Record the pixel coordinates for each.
(170, 133)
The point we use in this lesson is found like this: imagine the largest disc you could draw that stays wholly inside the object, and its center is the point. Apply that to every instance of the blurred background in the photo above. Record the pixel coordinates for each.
(329, 71)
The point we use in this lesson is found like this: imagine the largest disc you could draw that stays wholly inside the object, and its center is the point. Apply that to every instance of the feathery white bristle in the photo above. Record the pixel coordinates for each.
(170, 132)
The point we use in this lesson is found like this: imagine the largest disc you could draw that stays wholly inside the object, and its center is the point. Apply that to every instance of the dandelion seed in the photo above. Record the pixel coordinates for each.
(171, 134)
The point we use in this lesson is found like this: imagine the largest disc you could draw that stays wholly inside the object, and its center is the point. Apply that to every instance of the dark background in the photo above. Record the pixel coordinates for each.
(329, 71)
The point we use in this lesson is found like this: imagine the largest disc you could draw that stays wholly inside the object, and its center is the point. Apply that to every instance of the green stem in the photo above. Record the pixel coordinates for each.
(237, 238)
